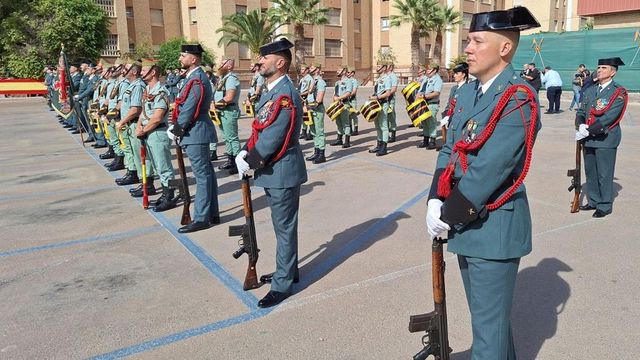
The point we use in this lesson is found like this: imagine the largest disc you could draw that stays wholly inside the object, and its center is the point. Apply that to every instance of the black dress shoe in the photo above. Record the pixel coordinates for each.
(266, 278)
(587, 207)
(599, 214)
(548, 112)
(75, 132)
(135, 189)
(272, 298)
(194, 226)
(214, 220)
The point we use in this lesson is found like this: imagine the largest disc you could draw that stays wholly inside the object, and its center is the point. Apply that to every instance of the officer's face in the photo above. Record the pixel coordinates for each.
(485, 51)
(269, 64)
(187, 60)
(605, 72)
(458, 76)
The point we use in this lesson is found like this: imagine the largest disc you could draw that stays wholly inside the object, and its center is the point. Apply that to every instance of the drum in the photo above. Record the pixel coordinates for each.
(409, 92)
(307, 117)
(214, 115)
(370, 110)
(335, 109)
(418, 111)
(249, 108)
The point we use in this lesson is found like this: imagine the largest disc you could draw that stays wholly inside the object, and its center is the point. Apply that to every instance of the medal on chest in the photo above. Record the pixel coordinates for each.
(470, 133)
(601, 104)
(264, 112)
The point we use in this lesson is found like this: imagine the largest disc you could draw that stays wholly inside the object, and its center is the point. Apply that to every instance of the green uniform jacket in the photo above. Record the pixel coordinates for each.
(290, 171)
(600, 136)
(199, 130)
(505, 232)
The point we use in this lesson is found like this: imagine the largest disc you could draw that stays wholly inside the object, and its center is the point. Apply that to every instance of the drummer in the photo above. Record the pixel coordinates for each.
(381, 93)
(343, 89)
(430, 91)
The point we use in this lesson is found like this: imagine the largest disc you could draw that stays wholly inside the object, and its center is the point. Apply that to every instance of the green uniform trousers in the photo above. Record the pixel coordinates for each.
(391, 115)
(489, 286)
(317, 130)
(342, 123)
(128, 149)
(113, 138)
(159, 151)
(229, 118)
(382, 123)
(599, 165)
(135, 145)
(430, 126)
(353, 115)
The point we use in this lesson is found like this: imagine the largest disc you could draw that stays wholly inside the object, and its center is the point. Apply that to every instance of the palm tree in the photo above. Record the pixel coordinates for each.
(442, 21)
(298, 13)
(252, 29)
(418, 13)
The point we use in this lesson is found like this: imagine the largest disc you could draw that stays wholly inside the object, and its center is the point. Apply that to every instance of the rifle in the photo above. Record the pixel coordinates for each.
(249, 242)
(435, 322)
(184, 189)
(576, 181)
(143, 159)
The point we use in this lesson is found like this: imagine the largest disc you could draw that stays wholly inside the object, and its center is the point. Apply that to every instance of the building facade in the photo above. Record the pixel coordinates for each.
(611, 14)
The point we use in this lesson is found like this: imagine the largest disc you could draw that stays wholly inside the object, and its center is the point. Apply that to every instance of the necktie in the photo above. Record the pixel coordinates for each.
(599, 89)
(479, 94)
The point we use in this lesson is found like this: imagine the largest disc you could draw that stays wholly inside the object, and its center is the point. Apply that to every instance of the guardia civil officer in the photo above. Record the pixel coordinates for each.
(598, 121)
(488, 226)
(461, 78)
(226, 99)
(274, 153)
(315, 103)
(196, 132)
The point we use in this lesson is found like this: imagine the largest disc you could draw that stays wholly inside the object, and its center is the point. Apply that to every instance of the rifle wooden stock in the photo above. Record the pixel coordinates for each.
(186, 197)
(435, 322)
(249, 239)
(576, 181)
(143, 159)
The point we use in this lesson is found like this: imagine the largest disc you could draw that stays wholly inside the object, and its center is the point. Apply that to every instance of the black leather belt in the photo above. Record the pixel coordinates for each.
(161, 126)
(434, 103)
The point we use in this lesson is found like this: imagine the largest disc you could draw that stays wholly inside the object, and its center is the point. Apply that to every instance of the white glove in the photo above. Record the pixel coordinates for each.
(170, 133)
(435, 226)
(444, 121)
(241, 164)
(582, 132)
(76, 97)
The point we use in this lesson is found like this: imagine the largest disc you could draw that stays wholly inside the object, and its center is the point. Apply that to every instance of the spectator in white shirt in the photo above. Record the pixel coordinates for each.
(553, 83)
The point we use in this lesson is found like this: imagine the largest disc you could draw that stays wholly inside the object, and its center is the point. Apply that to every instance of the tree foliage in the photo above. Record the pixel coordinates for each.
(33, 31)
(169, 53)
(252, 29)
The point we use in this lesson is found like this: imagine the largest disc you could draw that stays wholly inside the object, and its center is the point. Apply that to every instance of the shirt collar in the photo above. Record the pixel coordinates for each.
(462, 83)
(191, 71)
(485, 87)
(605, 84)
(273, 84)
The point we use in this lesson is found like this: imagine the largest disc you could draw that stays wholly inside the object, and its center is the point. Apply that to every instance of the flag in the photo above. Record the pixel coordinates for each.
(63, 88)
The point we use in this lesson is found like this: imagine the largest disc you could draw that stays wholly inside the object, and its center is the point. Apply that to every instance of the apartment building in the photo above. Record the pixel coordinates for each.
(611, 14)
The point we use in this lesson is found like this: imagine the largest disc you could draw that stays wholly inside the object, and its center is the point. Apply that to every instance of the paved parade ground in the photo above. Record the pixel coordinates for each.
(85, 272)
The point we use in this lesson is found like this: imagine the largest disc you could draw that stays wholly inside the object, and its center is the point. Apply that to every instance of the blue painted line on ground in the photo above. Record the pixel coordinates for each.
(108, 237)
(183, 335)
(209, 263)
(54, 193)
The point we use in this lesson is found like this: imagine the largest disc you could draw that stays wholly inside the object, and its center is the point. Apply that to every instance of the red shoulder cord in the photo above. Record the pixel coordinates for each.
(181, 99)
(283, 101)
(593, 113)
(462, 148)
(452, 106)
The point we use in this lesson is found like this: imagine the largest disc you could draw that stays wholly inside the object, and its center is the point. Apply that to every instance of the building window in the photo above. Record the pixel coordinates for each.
(129, 10)
(307, 46)
(333, 16)
(357, 54)
(107, 6)
(332, 48)
(384, 23)
(356, 1)
(356, 25)
(466, 20)
(557, 4)
(487, 2)
(562, 26)
(192, 16)
(111, 47)
(555, 25)
(157, 19)
(243, 51)
(241, 9)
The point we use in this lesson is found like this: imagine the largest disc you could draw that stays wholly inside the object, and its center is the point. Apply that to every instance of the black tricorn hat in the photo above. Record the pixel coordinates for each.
(616, 61)
(194, 49)
(515, 19)
(277, 46)
(462, 67)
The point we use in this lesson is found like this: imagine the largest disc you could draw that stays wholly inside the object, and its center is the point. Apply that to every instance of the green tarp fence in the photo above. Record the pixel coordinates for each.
(565, 51)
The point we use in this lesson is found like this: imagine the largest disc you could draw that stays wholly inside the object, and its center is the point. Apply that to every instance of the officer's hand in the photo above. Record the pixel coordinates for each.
(170, 134)
(435, 226)
(76, 97)
(582, 132)
(119, 125)
(444, 121)
(242, 164)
